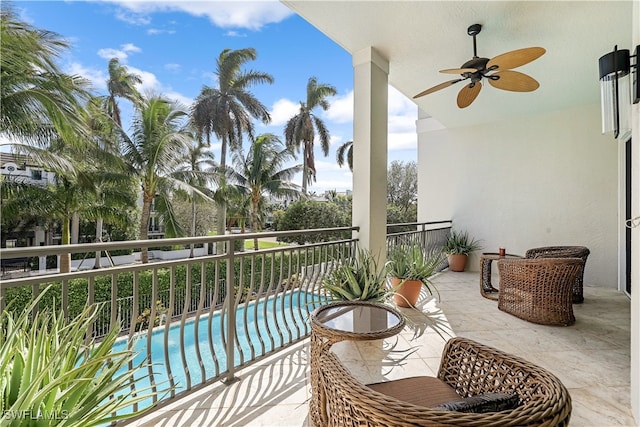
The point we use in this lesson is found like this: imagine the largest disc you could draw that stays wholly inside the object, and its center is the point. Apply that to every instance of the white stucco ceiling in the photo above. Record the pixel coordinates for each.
(419, 38)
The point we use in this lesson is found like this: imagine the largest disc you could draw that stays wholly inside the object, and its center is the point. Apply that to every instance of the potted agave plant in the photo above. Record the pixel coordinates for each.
(458, 247)
(359, 279)
(409, 269)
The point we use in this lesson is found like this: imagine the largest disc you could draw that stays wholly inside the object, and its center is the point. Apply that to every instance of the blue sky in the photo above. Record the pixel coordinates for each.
(173, 46)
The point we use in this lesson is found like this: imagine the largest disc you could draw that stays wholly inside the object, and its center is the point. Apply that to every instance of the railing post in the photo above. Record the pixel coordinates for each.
(231, 315)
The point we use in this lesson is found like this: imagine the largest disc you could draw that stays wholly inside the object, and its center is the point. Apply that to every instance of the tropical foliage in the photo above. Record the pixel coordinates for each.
(459, 242)
(121, 84)
(48, 369)
(300, 131)
(38, 100)
(263, 172)
(360, 278)
(410, 262)
(157, 143)
(163, 159)
(307, 215)
(345, 151)
(226, 111)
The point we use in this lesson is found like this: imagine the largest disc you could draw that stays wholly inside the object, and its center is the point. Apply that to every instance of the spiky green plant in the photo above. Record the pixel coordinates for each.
(49, 373)
(460, 242)
(410, 262)
(359, 279)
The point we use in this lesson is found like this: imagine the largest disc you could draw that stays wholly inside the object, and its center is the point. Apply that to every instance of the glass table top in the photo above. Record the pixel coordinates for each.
(358, 318)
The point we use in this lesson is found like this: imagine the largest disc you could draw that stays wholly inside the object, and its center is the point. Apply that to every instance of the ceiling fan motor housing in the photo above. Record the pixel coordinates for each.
(480, 64)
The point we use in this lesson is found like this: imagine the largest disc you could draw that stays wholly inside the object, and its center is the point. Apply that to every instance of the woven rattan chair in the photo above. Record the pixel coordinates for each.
(468, 368)
(564, 252)
(539, 290)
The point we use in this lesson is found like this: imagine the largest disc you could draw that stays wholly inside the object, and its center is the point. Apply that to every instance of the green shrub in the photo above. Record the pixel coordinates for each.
(306, 215)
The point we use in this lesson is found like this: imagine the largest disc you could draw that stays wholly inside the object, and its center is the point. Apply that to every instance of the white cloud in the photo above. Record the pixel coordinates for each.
(157, 31)
(400, 104)
(109, 53)
(282, 110)
(98, 78)
(402, 141)
(335, 140)
(130, 47)
(402, 122)
(232, 33)
(340, 108)
(338, 184)
(326, 166)
(122, 54)
(132, 18)
(174, 68)
(252, 15)
(151, 85)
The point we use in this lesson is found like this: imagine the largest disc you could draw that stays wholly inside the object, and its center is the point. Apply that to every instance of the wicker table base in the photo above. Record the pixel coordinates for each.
(340, 321)
(486, 288)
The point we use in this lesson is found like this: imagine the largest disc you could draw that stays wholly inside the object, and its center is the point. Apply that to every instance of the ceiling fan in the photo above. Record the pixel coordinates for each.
(497, 70)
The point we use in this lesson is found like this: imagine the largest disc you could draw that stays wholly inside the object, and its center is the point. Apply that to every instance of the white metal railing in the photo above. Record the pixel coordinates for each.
(200, 319)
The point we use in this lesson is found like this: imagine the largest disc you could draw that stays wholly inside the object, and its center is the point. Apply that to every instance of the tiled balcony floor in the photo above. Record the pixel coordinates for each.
(591, 358)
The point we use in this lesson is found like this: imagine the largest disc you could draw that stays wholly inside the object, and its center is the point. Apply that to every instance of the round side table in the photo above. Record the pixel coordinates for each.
(486, 288)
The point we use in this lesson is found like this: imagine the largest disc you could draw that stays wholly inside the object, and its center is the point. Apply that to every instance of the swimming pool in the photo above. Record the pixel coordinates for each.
(270, 323)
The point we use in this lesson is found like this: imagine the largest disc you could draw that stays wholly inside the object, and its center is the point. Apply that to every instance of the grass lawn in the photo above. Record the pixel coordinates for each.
(262, 244)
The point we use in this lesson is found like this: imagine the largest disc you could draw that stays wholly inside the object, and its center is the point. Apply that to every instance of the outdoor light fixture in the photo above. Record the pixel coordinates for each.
(619, 87)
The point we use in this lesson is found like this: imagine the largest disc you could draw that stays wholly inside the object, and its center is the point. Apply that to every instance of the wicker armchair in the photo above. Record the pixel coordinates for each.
(564, 252)
(539, 290)
(468, 368)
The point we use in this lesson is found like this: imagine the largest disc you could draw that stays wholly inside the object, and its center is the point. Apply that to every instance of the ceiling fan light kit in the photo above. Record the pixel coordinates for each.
(497, 71)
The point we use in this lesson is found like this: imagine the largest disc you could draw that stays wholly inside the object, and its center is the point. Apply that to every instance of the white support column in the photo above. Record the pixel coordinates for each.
(370, 99)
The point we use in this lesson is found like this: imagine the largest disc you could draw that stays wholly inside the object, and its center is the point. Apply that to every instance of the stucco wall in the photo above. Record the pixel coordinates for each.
(546, 180)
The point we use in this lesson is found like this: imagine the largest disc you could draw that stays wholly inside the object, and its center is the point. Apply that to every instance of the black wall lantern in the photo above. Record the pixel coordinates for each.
(619, 87)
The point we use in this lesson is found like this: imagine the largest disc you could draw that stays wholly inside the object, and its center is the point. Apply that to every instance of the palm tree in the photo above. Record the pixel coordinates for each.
(226, 110)
(345, 150)
(153, 151)
(199, 169)
(38, 101)
(263, 172)
(121, 84)
(72, 189)
(301, 128)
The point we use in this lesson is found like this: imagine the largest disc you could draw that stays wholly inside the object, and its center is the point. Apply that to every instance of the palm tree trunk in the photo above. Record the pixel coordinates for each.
(144, 226)
(75, 227)
(254, 219)
(305, 169)
(65, 259)
(256, 227)
(193, 225)
(98, 240)
(222, 205)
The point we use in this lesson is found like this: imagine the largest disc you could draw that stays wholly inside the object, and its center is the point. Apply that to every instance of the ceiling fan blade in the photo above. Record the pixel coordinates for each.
(468, 94)
(458, 70)
(514, 81)
(515, 58)
(437, 88)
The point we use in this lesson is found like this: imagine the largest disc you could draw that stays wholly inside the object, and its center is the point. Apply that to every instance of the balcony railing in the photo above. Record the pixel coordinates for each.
(200, 319)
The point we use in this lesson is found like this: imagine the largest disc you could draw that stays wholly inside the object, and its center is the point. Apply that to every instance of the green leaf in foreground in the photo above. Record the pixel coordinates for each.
(48, 370)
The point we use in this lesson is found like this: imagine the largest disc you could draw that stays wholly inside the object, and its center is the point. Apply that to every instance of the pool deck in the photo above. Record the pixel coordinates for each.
(591, 357)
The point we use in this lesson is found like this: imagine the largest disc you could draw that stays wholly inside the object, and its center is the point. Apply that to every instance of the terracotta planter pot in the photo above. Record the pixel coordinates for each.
(457, 262)
(409, 292)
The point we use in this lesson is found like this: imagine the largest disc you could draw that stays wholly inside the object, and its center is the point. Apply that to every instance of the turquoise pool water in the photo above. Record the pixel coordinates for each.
(285, 316)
